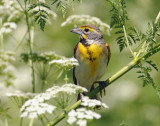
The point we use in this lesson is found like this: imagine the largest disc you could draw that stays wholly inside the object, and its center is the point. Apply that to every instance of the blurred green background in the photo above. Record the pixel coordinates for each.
(128, 101)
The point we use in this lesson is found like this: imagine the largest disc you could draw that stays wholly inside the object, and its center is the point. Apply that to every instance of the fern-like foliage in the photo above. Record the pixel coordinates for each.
(145, 74)
(40, 13)
(152, 64)
(119, 13)
(62, 5)
(118, 20)
(151, 34)
(147, 40)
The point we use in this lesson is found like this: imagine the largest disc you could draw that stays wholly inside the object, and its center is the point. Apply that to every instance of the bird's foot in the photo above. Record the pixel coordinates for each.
(102, 85)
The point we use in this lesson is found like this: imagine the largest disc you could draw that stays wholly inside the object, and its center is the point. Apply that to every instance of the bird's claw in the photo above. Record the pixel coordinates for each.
(102, 85)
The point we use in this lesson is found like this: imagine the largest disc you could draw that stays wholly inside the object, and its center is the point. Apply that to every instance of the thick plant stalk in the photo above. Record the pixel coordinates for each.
(30, 48)
(109, 81)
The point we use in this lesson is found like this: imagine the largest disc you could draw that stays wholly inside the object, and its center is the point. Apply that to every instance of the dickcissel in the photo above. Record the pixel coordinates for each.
(93, 55)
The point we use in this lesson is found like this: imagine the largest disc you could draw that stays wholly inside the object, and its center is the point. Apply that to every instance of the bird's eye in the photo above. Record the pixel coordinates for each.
(86, 29)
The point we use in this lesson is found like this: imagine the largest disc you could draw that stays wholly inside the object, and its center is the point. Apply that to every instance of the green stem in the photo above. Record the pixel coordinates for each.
(110, 80)
(125, 34)
(42, 121)
(20, 5)
(31, 122)
(157, 18)
(30, 48)
(21, 121)
(6, 122)
(20, 42)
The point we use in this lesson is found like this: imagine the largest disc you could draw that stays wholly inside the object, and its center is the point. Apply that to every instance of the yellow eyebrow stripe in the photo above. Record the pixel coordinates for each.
(91, 29)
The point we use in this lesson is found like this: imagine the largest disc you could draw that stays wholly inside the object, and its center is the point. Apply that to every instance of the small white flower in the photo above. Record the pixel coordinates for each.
(71, 120)
(8, 27)
(92, 102)
(50, 108)
(32, 108)
(72, 113)
(32, 115)
(81, 109)
(65, 62)
(20, 94)
(81, 115)
(40, 111)
(24, 114)
(89, 117)
(96, 115)
(86, 19)
(81, 122)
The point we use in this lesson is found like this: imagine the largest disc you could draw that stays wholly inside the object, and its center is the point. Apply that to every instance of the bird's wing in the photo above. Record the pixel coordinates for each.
(74, 77)
(75, 49)
(109, 52)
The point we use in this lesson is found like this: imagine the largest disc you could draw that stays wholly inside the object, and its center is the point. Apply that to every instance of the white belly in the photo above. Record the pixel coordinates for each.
(88, 72)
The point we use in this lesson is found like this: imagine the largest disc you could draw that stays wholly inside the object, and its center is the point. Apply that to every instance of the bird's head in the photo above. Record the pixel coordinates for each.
(88, 32)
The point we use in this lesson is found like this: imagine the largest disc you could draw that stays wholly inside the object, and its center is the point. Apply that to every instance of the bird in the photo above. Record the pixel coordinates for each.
(93, 55)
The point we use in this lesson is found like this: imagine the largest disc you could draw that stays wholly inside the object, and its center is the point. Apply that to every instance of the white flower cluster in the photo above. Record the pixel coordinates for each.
(10, 9)
(86, 19)
(65, 62)
(37, 106)
(81, 115)
(7, 56)
(66, 88)
(51, 55)
(8, 27)
(20, 94)
(91, 103)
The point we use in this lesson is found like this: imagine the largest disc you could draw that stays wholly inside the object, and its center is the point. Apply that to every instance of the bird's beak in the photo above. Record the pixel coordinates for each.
(77, 31)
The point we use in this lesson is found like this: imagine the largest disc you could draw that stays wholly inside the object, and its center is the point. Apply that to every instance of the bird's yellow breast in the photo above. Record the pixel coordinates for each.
(93, 51)
(92, 54)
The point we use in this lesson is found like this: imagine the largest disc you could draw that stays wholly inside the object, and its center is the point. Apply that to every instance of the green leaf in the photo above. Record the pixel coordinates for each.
(42, 23)
(119, 32)
(43, 11)
(132, 37)
(153, 65)
(139, 71)
(121, 42)
(45, 5)
(118, 20)
(32, 7)
(34, 13)
(54, 1)
(37, 17)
